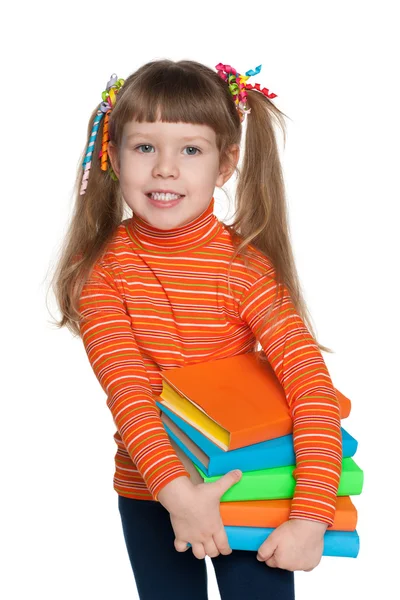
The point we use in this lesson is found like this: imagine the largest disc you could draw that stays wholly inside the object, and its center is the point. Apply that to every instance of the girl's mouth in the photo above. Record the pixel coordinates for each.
(164, 203)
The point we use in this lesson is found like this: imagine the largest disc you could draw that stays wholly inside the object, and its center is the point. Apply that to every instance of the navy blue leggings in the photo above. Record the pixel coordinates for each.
(163, 573)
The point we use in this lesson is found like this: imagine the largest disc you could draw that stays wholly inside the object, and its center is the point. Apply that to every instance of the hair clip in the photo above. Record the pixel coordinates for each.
(109, 97)
(238, 86)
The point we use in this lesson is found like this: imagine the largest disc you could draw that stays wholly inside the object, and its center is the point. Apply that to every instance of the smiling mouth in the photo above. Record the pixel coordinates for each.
(149, 195)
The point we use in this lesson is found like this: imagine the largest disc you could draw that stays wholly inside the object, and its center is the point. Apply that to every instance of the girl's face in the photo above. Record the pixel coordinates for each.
(180, 157)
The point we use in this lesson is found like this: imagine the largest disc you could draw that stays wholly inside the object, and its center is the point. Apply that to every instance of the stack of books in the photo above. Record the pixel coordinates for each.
(232, 413)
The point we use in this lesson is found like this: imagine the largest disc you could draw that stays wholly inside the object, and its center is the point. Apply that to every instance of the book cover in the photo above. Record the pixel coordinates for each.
(272, 513)
(235, 402)
(277, 452)
(271, 484)
(336, 543)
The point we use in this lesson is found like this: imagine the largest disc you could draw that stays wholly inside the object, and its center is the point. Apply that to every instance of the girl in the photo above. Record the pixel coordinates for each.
(172, 285)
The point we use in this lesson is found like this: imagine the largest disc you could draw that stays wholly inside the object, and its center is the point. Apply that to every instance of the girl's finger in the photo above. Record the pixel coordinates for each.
(198, 550)
(221, 541)
(211, 549)
(271, 562)
(180, 545)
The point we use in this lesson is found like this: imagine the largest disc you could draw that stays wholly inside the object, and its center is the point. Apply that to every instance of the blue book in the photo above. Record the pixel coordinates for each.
(336, 543)
(212, 460)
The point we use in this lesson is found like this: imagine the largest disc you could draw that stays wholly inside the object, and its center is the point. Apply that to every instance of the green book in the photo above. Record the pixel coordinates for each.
(272, 484)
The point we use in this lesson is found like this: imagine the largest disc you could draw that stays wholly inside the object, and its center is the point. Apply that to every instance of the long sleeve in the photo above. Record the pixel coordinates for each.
(110, 345)
(301, 370)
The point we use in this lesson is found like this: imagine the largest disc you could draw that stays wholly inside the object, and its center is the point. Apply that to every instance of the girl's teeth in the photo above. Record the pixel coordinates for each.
(166, 197)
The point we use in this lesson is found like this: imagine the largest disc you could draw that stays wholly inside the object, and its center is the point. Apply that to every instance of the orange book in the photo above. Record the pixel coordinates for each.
(235, 401)
(272, 513)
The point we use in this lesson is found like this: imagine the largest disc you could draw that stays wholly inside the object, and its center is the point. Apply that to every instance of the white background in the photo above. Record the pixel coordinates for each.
(334, 66)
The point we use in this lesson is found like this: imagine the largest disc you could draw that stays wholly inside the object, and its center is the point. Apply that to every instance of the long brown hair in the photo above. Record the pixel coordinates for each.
(190, 92)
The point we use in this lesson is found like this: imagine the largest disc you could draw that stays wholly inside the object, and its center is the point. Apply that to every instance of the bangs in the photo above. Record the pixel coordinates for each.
(174, 93)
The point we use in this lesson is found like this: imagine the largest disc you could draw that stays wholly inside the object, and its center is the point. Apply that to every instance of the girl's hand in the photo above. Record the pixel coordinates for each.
(196, 518)
(296, 545)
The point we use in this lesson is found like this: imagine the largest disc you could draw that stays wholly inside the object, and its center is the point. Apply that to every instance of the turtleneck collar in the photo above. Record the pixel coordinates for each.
(195, 234)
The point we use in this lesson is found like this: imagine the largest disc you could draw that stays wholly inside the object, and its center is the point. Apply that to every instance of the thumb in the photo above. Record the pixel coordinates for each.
(227, 481)
(267, 548)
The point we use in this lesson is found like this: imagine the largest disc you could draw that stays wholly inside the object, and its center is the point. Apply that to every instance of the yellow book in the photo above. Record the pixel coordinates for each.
(195, 416)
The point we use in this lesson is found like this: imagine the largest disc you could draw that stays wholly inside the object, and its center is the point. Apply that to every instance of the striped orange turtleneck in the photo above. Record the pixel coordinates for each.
(159, 300)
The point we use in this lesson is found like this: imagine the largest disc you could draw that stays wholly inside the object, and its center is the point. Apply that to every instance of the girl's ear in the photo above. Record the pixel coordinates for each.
(113, 156)
(228, 165)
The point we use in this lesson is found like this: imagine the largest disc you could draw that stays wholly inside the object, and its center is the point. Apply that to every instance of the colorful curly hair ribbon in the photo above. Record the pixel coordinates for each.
(109, 97)
(238, 86)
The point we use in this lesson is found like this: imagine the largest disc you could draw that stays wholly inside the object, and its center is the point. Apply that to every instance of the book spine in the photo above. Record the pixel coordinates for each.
(281, 484)
(251, 460)
(336, 543)
(270, 513)
(280, 453)
(278, 487)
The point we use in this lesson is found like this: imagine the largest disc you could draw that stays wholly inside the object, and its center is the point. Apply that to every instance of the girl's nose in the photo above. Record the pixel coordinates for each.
(165, 165)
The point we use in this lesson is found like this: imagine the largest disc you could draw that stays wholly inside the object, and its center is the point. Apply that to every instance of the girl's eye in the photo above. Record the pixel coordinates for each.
(193, 148)
(150, 146)
(144, 146)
